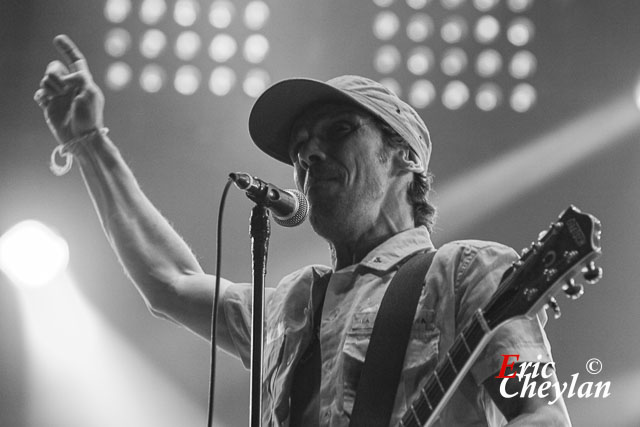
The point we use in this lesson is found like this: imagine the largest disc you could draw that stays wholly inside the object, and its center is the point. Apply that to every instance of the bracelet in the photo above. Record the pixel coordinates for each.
(66, 149)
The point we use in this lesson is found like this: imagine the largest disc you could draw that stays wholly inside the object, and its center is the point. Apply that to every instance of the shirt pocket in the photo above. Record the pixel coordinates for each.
(422, 351)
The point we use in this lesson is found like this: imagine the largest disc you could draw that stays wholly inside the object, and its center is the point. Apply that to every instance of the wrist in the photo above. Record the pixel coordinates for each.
(75, 147)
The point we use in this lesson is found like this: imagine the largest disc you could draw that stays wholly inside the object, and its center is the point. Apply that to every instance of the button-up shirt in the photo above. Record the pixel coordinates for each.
(462, 278)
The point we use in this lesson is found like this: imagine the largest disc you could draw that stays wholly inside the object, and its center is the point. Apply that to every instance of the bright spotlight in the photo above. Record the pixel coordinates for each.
(256, 15)
(117, 42)
(256, 82)
(152, 43)
(187, 80)
(420, 60)
(256, 48)
(117, 11)
(187, 45)
(420, 27)
(186, 12)
(422, 93)
(521, 31)
(455, 95)
(118, 75)
(454, 29)
(222, 80)
(32, 254)
(222, 48)
(489, 63)
(523, 97)
(151, 11)
(387, 59)
(221, 13)
(386, 25)
(152, 78)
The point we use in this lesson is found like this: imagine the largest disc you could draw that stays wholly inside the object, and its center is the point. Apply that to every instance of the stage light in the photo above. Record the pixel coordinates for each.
(454, 61)
(452, 4)
(455, 95)
(152, 43)
(420, 60)
(518, 6)
(151, 11)
(256, 15)
(222, 48)
(222, 80)
(152, 78)
(186, 12)
(488, 63)
(392, 84)
(221, 13)
(383, 3)
(420, 27)
(522, 65)
(488, 97)
(523, 97)
(256, 82)
(31, 254)
(116, 11)
(385, 25)
(118, 75)
(256, 48)
(387, 59)
(485, 5)
(422, 93)
(454, 29)
(487, 29)
(520, 31)
(417, 4)
(187, 45)
(117, 42)
(187, 80)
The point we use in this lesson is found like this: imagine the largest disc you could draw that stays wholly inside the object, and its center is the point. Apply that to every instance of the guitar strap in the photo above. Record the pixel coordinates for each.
(383, 362)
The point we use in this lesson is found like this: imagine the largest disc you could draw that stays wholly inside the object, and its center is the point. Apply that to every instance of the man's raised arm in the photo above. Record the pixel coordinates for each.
(157, 260)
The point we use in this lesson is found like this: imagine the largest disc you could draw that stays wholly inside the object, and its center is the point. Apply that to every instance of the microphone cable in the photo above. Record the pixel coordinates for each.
(214, 309)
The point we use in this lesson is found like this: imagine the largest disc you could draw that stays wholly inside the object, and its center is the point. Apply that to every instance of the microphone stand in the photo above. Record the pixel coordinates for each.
(259, 231)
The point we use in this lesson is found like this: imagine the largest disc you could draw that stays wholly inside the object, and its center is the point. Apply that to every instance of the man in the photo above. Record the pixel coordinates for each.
(360, 155)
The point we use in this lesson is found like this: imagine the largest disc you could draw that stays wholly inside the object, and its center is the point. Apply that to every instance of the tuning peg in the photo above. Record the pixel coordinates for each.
(592, 273)
(553, 304)
(573, 290)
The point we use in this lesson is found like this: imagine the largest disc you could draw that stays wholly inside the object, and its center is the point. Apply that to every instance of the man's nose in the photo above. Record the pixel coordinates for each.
(312, 151)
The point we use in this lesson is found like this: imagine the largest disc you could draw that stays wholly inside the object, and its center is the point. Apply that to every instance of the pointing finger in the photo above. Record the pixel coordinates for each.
(70, 52)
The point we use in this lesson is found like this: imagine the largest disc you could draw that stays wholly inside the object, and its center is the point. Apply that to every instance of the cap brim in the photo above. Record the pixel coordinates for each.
(278, 107)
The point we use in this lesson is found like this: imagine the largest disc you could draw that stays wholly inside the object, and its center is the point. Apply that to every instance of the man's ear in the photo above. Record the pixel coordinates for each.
(409, 161)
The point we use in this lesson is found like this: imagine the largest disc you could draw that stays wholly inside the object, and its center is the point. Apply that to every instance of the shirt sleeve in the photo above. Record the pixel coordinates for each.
(479, 274)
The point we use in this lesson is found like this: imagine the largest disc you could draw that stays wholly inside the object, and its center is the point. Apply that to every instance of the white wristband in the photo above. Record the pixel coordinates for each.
(66, 149)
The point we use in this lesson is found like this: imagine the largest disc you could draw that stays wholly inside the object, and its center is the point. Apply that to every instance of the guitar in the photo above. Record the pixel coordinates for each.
(569, 246)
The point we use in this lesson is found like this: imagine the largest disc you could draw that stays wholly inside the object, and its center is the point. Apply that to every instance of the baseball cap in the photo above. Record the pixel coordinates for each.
(276, 110)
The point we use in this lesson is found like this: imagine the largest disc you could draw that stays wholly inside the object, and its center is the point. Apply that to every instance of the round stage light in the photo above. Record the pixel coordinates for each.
(116, 11)
(188, 45)
(488, 97)
(256, 82)
(485, 5)
(422, 93)
(152, 43)
(387, 59)
(417, 4)
(32, 254)
(523, 97)
(455, 95)
(487, 29)
(454, 61)
(454, 29)
(152, 11)
(186, 12)
(187, 80)
(256, 15)
(222, 80)
(221, 13)
(117, 42)
(488, 63)
(118, 76)
(518, 6)
(420, 60)
(523, 64)
(256, 48)
(152, 78)
(420, 27)
(520, 31)
(222, 48)
(386, 25)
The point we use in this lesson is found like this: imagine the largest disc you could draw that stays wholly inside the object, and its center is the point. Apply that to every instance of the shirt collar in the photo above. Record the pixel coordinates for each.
(397, 248)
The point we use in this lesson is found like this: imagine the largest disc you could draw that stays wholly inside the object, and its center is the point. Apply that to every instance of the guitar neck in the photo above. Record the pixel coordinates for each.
(448, 373)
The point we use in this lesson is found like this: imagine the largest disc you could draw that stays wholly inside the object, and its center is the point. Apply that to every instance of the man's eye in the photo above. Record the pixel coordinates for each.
(340, 129)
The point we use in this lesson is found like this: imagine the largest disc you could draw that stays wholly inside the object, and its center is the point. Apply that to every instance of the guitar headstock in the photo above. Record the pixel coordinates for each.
(567, 248)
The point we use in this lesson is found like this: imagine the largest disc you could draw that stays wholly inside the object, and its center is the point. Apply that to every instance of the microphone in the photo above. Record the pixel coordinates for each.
(289, 207)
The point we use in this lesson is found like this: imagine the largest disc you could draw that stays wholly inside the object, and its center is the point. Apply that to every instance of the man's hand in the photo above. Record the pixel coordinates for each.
(72, 103)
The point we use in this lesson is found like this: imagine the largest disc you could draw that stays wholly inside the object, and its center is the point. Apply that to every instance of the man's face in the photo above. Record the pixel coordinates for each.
(336, 153)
